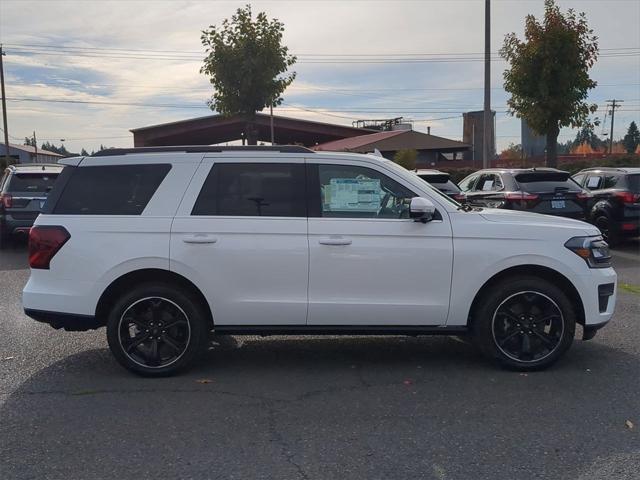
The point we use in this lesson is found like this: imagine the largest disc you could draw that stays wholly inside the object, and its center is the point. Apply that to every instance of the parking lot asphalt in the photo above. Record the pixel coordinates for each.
(318, 408)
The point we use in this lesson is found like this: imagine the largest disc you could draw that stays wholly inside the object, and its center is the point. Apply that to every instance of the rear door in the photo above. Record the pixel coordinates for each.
(241, 236)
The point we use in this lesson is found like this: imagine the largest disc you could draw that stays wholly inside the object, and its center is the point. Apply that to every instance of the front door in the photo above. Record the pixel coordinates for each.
(241, 236)
(369, 263)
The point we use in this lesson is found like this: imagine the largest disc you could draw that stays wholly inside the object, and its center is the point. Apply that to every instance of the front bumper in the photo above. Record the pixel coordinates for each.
(598, 291)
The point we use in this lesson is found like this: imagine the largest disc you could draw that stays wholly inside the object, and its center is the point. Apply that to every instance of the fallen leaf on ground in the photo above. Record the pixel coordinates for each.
(8, 358)
(204, 380)
(629, 424)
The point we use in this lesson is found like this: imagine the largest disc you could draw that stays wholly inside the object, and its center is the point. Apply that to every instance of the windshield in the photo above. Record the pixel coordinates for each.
(403, 172)
(32, 182)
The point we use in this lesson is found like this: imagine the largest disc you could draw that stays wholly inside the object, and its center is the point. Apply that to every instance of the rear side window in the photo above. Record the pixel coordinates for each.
(110, 190)
(253, 189)
(634, 183)
(31, 182)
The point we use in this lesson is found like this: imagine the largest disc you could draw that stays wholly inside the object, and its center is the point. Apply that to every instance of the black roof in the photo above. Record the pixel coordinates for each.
(203, 149)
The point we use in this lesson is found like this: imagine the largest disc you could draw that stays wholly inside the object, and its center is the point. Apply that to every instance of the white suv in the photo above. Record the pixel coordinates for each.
(166, 245)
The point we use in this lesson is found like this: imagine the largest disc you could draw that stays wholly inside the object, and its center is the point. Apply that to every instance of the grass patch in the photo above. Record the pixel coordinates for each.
(629, 288)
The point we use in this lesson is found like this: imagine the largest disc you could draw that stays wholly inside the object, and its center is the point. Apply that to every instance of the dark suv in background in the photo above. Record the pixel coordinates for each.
(616, 206)
(23, 191)
(442, 181)
(539, 190)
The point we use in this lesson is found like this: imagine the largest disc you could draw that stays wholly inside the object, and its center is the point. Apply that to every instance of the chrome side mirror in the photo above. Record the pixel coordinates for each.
(421, 209)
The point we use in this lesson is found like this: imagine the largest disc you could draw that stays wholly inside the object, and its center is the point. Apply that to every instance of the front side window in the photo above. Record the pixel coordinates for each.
(359, 192)
(253, 189)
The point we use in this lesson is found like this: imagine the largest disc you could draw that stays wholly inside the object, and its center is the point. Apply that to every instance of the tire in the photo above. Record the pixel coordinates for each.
(524, 314)
(157, 329)
(607, 227)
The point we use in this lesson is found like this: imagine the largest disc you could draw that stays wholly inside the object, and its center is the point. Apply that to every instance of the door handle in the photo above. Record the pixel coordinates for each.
(335, 241)
(199, 238)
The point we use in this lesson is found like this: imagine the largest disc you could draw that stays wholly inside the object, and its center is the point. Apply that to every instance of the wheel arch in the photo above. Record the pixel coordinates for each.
(539, 271)
(123, 283)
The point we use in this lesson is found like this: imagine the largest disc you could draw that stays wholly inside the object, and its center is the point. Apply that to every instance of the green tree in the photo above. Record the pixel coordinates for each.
(84, 153)
(512, 152)
(247, 65)
(29, 141)
(588, 135)
(632, 139)
(406, 158)
(548, 73)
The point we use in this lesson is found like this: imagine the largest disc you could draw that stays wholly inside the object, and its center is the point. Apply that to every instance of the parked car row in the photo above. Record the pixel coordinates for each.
(23, 191)
(607, 197)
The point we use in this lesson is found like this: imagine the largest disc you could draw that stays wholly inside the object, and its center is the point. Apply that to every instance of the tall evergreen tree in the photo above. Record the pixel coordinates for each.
(632, 139)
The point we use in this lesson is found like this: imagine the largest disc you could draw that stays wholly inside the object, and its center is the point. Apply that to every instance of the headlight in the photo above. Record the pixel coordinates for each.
(594, 250)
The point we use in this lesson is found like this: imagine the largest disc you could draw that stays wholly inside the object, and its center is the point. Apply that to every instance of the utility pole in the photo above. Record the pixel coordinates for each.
(35, 146)
(486, 123)
(613, 104)
(4, 107)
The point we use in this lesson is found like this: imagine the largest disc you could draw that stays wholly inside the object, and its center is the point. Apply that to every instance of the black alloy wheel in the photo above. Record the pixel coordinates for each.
(157, 329)
(524, 322)
(528, 326)
(154, 332)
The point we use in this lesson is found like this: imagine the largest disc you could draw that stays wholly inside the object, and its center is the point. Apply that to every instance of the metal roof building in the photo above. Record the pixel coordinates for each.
(27, 154)
(432, 150)
(215, 129)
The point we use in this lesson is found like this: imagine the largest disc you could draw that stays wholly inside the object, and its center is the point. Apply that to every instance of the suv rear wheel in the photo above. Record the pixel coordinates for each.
(156, 329)
(525, 323)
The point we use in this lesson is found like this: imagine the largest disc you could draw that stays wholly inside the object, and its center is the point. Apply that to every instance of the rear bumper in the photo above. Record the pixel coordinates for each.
(68, 321)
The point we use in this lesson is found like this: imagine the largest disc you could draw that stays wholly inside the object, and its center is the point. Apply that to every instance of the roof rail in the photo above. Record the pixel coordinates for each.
(203, 149)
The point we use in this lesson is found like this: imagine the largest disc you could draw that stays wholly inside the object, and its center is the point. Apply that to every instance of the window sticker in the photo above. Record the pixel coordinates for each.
(352, 195)
(593, 182)
(487, 185)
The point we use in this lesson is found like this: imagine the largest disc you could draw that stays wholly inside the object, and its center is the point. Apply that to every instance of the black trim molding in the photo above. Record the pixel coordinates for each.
(71, 322)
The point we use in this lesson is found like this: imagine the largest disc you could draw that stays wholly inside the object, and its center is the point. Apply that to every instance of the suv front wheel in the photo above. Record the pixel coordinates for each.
(526, 323)
(156, 329)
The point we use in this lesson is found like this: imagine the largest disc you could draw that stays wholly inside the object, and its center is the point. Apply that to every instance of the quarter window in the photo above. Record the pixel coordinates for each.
(359, 192)
(110, 190)
(468, 183)
(253, 189)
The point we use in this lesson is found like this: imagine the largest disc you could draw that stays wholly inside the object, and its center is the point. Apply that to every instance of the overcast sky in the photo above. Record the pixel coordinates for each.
(55, 51)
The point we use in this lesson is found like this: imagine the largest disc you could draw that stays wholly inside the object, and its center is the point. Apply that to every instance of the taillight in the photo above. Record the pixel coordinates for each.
(7, 200)
(459, 197)
(524, 196)
(44, 243)
(627, 197)
(584, 196)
